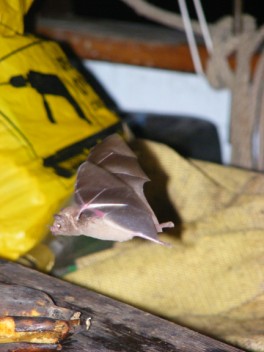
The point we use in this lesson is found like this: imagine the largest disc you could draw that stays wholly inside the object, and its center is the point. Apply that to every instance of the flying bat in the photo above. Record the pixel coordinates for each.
(109, 200)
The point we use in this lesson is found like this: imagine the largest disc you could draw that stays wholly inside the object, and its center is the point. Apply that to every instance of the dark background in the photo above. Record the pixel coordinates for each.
(117, 10)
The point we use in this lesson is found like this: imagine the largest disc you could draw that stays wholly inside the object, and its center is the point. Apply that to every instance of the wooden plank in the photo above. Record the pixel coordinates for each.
(129, 43)
(115, 326)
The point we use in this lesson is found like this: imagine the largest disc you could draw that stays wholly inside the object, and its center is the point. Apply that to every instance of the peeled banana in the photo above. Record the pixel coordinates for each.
(30, 321)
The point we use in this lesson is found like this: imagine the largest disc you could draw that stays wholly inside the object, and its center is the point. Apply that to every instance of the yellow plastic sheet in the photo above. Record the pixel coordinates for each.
(12, 16)
(212, 279)
(49, 118)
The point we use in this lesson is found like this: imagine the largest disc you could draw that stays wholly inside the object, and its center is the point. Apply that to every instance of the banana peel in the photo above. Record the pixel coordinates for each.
(30, 321)
(28, 347)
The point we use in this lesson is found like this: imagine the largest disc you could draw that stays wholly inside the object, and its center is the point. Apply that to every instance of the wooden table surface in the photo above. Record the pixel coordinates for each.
(115, 326)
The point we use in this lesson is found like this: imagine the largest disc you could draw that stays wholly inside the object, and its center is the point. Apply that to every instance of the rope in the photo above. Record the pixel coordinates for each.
(247, 88)
(204, 26)
(190, 37)
(247, 118)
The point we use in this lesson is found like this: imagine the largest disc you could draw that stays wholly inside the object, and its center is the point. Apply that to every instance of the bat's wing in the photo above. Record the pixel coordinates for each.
(110, 183)
(114, 155)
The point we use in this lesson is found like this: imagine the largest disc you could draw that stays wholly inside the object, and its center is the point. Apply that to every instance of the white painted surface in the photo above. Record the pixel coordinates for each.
(161, 91)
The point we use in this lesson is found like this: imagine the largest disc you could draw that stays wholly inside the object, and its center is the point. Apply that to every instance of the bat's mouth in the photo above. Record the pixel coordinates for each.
(55, 229)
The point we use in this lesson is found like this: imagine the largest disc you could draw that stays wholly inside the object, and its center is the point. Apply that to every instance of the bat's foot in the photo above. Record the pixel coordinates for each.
(167, 224)
(164, 225)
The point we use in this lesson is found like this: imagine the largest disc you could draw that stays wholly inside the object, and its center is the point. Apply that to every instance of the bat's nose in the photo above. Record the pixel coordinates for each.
(53, 230)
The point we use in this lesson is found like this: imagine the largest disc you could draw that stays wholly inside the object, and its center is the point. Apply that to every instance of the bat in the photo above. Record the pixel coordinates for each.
(109, 200)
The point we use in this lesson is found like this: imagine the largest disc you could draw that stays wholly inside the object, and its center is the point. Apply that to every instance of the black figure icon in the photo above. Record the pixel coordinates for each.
(47, 84)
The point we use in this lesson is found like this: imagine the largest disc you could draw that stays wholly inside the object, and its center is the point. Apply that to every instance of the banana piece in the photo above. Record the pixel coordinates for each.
(24, 301)
(34, 329)
(30, 321)
(29, 347)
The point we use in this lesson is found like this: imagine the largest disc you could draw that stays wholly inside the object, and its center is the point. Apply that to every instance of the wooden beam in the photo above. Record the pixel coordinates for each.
(129, 43)
(115, 326)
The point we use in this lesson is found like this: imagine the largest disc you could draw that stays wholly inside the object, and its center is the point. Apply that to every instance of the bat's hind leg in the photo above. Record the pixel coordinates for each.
(166, 224)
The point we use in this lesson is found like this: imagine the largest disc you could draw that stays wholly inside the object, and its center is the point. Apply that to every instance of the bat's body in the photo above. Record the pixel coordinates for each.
(109, 197)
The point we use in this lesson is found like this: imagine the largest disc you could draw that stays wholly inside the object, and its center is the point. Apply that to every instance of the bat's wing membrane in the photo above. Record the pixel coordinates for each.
(111, 183)
(114, 155)
(91, 181)
(113, 144)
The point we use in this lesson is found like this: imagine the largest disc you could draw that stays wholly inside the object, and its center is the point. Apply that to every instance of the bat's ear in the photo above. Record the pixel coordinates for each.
(57, 217)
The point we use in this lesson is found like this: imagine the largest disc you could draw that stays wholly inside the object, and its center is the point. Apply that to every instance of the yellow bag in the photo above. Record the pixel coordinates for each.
(49, 118)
